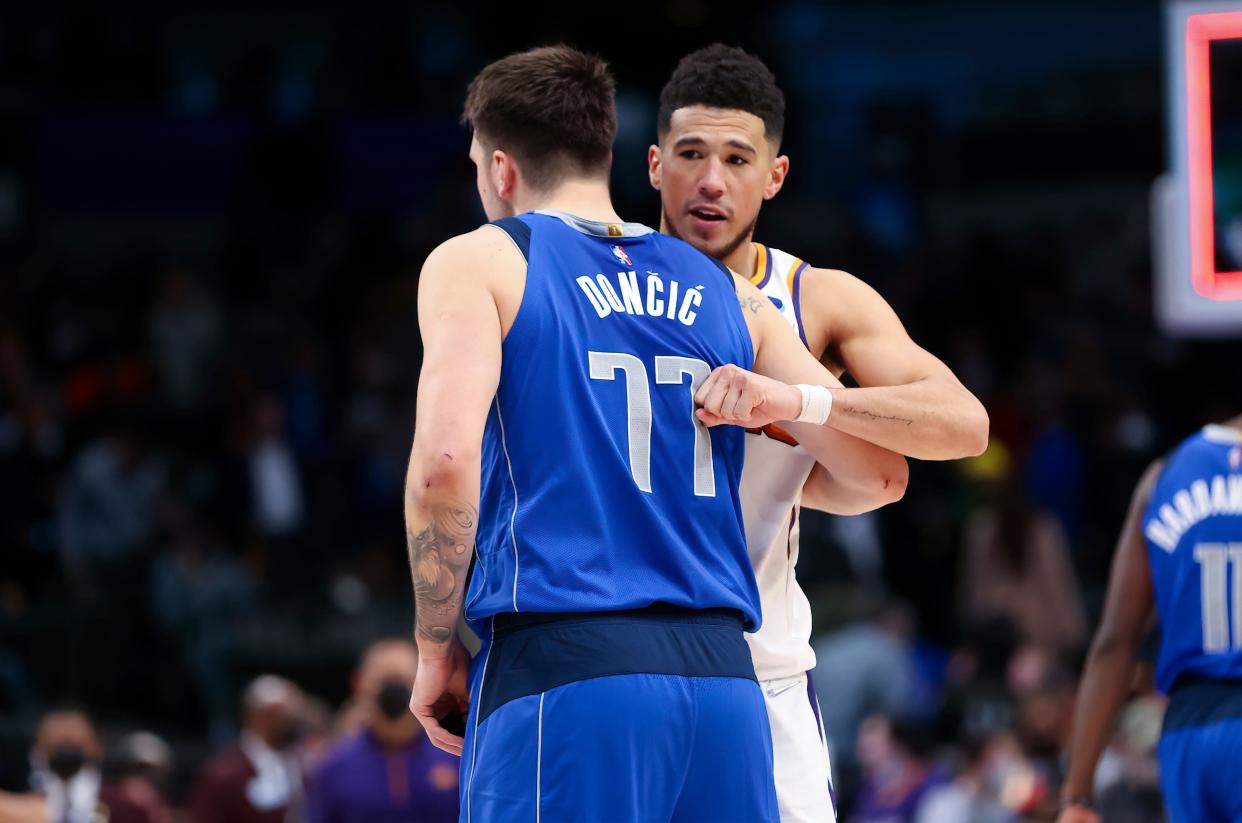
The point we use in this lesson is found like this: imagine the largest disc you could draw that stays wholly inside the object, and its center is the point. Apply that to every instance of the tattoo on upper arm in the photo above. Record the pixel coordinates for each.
(752, 304)
(873, 416)
(439, 557)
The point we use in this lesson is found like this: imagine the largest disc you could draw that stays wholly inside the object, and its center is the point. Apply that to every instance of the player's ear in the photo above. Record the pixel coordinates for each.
(776, 177)
(653, 166)
(504, 174)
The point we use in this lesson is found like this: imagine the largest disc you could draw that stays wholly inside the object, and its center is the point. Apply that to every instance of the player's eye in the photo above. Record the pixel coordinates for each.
(691, 154)
(737, 160)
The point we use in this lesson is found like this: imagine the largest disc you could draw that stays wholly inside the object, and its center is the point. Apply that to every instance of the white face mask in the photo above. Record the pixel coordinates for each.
(75, 800)
(275, 783)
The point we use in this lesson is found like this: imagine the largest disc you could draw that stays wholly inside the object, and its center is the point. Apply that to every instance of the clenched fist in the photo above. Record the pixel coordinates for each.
(734, 395)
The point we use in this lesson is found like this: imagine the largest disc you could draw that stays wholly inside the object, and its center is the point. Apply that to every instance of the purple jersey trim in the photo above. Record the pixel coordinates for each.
(819, 727)
(767, 268)
(797, 301)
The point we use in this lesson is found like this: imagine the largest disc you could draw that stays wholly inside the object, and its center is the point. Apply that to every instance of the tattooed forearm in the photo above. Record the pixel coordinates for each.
(870, 415)
(439, 555)
(751, 304)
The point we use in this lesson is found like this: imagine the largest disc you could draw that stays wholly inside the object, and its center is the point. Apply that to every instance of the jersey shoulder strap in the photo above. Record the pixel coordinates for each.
(518, 231)
(778, 275)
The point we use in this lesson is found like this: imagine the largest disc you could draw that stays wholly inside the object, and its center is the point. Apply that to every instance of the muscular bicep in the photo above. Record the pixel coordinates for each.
(780, 354)
(868, 339)
(878, 358)
(461, 334)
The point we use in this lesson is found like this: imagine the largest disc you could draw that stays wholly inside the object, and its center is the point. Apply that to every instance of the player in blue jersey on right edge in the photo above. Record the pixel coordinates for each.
(557, 437)
(1180, 552)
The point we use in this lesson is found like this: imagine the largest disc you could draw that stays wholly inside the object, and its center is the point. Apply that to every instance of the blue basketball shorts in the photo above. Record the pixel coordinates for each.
(650, 716)
(1201, 753)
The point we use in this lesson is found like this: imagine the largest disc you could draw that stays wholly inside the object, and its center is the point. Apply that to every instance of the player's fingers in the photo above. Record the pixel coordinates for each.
(716, 395)
(441, 738)
(706, 386)
(731, 405)
(746, 405)
(750, 399)
(708, 419)
(721, 375)
(447, 742)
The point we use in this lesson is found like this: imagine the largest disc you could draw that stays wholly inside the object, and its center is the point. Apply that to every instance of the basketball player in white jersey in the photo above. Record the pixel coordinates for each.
(720, 122)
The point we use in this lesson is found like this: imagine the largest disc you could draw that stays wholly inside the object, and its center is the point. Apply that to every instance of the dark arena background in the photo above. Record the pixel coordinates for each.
(212, 220)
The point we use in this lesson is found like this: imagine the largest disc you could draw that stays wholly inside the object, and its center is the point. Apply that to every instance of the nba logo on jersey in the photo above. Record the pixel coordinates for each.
(620, 254)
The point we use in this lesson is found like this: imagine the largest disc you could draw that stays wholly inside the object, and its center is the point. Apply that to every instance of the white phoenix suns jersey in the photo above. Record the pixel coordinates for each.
(775, 470)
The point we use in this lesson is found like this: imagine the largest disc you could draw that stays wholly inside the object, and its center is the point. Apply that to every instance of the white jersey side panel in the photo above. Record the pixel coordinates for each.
(772, 480)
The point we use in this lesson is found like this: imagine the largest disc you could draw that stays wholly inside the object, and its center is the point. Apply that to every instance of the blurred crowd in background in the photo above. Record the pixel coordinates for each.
(211, 226)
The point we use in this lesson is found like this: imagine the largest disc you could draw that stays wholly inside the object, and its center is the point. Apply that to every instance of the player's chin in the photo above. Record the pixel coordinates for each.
(713, 244)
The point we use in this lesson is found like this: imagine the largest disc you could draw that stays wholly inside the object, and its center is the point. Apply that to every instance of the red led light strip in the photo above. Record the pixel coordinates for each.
(1202, 29)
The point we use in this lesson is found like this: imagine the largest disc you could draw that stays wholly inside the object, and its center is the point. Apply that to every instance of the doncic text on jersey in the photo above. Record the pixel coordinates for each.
(657, 297)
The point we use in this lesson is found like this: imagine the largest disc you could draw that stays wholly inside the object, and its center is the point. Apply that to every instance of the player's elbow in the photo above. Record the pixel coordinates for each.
(444, 471)
(978, 430)
(894, 481)
(1112, 640)
(887, 484)
(970, 428)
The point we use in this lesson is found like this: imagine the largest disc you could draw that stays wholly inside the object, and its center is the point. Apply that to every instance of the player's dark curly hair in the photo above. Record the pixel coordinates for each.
(553, 108)
(724, 77)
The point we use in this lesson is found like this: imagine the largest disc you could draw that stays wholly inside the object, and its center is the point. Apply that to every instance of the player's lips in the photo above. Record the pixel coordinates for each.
(707, 217)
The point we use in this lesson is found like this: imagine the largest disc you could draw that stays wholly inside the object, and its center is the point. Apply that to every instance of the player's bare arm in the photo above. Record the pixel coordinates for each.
(461, 328)
(910, 401)
(1110, 664)
(859, 475)
(823, 492)
(22, 808)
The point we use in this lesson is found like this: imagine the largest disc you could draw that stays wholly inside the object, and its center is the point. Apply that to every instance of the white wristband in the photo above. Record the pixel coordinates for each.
(816, 404)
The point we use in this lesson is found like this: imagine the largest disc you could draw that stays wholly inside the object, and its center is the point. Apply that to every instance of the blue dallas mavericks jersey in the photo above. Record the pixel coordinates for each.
(600, 489)
(1193, 527)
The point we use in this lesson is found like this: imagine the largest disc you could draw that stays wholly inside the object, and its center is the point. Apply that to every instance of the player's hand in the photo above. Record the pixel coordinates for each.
(734, 395)
(440, 689)
(1077, 814)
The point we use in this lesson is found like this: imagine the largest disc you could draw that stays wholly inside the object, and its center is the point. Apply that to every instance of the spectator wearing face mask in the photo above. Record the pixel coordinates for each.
(387, 771)
(258, 780)
(65, 767)
(65, 777)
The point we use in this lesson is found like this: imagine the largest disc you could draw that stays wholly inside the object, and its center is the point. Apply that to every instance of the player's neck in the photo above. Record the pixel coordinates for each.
(742, 259)
(588, 199)
(1234, 423)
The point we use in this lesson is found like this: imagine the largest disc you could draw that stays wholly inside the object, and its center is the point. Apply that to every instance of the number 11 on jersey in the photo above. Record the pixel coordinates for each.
(1215, 561)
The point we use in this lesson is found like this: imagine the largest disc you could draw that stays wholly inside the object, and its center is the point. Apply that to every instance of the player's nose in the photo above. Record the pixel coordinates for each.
(711, 184)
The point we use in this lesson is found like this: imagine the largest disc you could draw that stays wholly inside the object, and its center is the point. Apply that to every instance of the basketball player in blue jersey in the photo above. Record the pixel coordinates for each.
(557, 437)
(718, 159)
(1180, 553)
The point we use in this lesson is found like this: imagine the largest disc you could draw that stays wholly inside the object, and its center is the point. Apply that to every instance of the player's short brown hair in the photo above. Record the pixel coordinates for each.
(552, 108)
(724, 77)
